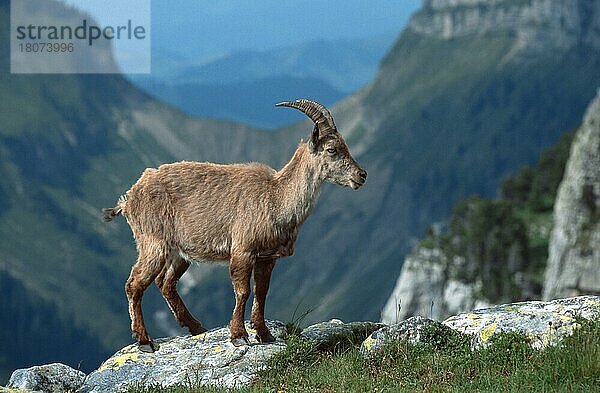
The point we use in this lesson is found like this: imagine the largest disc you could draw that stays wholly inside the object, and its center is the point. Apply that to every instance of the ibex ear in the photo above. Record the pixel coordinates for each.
(313, 142)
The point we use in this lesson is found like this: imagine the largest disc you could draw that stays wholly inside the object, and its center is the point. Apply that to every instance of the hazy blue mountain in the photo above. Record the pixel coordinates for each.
(242, 86)
(251, 102)
(344, 64)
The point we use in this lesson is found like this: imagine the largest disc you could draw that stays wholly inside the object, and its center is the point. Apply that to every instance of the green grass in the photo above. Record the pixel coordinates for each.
(448, 364)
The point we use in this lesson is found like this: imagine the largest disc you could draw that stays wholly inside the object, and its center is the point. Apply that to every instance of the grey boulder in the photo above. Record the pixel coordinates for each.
(206, 359)
(49, 378)
(325, 335)
(544, 323)
(413, 330)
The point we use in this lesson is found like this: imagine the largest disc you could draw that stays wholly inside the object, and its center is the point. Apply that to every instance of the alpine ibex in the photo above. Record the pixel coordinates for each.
(248, 214)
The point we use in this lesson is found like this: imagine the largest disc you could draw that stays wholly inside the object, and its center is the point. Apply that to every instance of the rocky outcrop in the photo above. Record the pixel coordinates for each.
(494, 251)
(574, 252)
(413, 330)
(209, 359)
(419, 286)
(425, 287)
(538, 24)
(49, 378)
(544, 323)
(327, 334)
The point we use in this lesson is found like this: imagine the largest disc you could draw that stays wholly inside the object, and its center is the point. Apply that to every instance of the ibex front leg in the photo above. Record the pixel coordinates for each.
(262, 278)
(240, 270)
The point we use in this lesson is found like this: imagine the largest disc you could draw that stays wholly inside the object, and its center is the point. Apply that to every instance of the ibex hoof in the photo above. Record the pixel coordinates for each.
(240, 341)
(150, 347)
(199, 330)
(265, 338)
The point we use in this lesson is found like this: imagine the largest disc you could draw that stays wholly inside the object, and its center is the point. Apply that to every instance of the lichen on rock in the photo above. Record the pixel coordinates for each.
(211, 359)
(544, 323)
(206, 359)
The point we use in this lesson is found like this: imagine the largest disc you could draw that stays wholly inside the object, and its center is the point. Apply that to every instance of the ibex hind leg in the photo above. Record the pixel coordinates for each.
(167, 283)
(149, 264)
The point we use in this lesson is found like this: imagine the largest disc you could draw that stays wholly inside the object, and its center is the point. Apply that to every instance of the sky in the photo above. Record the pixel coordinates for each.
(204, 29)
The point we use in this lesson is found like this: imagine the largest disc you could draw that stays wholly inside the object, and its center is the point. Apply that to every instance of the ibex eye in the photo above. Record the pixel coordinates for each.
(331, 150)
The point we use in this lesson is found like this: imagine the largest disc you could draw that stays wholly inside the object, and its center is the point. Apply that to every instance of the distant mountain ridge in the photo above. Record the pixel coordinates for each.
(242, 86)
(250, 102)
(345, 64)
(537, 24)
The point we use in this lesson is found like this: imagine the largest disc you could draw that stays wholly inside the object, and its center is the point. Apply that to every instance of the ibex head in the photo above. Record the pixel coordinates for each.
(329, 148)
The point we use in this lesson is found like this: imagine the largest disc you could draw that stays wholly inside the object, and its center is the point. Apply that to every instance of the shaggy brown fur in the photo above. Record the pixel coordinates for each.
(248, 214)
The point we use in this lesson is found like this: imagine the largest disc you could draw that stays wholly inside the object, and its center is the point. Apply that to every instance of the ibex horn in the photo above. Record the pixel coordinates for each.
(317, 113)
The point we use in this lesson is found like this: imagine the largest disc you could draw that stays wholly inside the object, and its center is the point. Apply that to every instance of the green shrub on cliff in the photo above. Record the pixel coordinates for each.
(502, 244)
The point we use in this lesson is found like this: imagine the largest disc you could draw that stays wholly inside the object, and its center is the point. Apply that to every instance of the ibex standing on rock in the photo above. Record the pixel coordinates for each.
(248, 214)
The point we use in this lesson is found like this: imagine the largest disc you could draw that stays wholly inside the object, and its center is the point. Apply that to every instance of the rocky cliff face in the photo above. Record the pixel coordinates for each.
(538, 24)
(426, 287)
(447, 273)
(574, 252)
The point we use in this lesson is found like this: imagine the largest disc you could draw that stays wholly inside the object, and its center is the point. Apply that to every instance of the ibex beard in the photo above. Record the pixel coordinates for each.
(249, 214)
